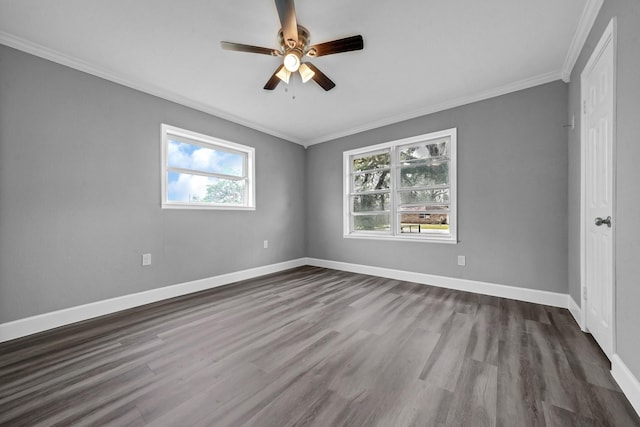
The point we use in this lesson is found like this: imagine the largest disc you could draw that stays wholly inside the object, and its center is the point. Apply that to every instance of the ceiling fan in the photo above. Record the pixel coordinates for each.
(294, 45)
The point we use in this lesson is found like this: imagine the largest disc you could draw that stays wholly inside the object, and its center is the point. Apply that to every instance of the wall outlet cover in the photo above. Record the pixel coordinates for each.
(146, 260)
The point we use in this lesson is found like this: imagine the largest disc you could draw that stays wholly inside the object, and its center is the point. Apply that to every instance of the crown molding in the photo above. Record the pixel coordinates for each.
(430, 109)
(587, 19)
(69, 61)
(78, 64)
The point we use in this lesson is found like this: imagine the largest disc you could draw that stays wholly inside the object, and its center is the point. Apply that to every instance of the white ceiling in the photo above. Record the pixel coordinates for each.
(419, 56)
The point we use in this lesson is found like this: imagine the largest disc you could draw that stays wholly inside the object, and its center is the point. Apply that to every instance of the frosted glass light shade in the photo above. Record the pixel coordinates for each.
(284, 74)
(306, 73)
(292, 62)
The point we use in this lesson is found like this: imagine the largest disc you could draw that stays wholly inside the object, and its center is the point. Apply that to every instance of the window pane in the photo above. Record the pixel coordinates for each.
(371, 181)
(371, 222)
(440, 195)
(421, 175)
(424, 223)
(371, 202)
(425, 151)
(376, 161)
(190, 156)
(423, 208)
(188, 188)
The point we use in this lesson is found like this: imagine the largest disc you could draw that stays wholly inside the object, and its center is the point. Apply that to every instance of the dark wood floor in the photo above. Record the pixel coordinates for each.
(315, 347)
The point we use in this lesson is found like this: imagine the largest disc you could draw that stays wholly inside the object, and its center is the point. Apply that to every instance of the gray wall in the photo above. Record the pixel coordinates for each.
(627, 211)
(512, 190)
(80, 193)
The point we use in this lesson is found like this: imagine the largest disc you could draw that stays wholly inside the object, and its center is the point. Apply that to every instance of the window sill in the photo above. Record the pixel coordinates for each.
(189, 206)
(421, 239)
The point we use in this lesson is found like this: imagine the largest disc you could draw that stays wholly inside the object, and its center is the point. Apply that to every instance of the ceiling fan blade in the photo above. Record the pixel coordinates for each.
(248, 48)
(273, 80)
(287, 14)
(337, 46)
(320, 78)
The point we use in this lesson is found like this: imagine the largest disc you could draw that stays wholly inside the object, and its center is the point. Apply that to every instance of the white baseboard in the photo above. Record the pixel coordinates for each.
(512, 292)
(576, 312)
(42, 322)
(627, 381)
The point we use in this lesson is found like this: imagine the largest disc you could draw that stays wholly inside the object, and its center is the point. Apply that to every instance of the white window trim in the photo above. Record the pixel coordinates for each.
(394, 235)
(209, 142)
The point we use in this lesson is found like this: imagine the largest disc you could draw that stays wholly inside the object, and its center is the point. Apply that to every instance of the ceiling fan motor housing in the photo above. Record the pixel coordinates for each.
(301, 46)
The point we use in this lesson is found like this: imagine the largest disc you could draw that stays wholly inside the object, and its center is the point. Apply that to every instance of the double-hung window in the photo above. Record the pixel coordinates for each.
(403, 189)
(203, 172)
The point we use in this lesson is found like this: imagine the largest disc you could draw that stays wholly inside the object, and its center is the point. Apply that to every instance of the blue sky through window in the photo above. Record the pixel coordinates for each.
(184, 187)
(195, 157)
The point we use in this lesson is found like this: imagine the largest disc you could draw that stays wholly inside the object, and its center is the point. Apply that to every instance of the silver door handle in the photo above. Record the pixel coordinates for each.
(600, 221)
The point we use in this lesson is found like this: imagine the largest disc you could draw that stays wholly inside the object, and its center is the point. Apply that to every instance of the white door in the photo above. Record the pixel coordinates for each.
(598, 221)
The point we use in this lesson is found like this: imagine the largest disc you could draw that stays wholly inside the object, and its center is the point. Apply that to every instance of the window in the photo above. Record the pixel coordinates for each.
(402, 190)
(202, 172)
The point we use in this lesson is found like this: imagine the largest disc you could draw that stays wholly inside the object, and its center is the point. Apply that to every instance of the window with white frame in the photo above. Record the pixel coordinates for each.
(403, 190)
(203, 172)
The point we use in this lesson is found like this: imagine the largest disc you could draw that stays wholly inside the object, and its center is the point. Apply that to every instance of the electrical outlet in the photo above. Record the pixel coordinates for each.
(462, 260)
(266, 244)
(146, 260)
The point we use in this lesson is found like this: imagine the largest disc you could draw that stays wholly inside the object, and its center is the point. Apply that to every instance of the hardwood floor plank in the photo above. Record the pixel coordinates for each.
(484, 337)
(474, 401)
(445, 363)
(422, 405)
(559, 417)
(519, 390)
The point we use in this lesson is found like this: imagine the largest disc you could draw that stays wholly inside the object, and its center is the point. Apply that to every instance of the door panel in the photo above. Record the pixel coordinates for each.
(597, 81)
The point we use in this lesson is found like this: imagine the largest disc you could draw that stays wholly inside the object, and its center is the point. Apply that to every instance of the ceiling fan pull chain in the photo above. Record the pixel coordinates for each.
(293, 89)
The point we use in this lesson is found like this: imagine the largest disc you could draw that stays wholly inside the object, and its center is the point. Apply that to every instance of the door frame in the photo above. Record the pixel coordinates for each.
(609, 36)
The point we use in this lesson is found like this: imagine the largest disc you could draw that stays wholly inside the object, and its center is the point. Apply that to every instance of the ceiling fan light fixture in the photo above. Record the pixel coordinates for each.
(293, 41)
(306, 73)
(284, 74)
(292, 61)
